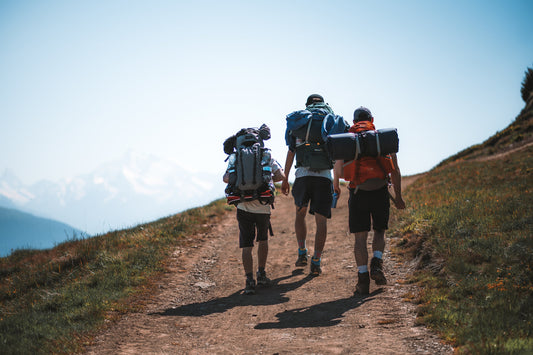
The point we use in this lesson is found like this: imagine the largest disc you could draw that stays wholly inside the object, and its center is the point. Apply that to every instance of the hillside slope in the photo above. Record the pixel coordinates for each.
(518, 134)
(19, 229)
(468, 227)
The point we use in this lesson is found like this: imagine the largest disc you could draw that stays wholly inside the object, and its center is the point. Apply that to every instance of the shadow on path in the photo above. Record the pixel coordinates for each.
(325, 314)
(270, 295)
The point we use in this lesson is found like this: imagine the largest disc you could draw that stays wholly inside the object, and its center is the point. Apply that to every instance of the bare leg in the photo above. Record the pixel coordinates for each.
(378, 242)
(262, 253)
(321, 234)
(247, 260)
(360, 248)
(299, 225)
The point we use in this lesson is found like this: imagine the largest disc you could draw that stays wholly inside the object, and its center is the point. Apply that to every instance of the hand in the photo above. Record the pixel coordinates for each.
(337, 189)
(399, 203)
(285, 187)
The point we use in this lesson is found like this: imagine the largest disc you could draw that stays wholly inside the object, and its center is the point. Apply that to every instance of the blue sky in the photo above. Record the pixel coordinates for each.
(84, 82)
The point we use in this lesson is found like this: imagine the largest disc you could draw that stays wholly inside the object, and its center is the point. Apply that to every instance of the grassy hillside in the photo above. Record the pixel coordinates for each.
(469, 228)
(51, 301)
(516, 135)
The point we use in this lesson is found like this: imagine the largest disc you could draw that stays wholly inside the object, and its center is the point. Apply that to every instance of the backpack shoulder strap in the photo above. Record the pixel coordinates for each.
(308, 130)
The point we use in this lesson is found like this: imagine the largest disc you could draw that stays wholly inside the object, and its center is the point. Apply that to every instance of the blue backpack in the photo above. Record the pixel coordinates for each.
(307, 132)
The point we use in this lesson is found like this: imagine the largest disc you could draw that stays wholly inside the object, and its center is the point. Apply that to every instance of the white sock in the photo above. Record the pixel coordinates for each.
(378, 254)
(362, 269)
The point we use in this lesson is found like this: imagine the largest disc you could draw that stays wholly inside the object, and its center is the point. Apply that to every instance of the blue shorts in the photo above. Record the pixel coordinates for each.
(314, 189)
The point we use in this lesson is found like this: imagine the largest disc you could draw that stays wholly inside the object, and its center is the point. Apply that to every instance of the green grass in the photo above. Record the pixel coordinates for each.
(53, 301)
(470, 228)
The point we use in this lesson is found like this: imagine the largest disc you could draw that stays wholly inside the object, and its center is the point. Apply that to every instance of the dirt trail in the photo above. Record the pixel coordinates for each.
(200, 308)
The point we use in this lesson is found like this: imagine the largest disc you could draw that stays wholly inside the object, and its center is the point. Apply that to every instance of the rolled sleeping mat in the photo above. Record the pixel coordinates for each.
(349, 146)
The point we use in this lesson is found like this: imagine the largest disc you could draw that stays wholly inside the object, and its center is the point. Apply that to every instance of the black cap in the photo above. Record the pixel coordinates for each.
(314, 98)
(362, 114)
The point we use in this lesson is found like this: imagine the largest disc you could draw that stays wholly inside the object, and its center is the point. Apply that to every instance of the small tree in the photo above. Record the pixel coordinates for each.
(527, 85)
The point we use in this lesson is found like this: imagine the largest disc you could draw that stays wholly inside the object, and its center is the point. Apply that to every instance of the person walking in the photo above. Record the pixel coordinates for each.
(313, 188)
(253, 215)
(368, 203)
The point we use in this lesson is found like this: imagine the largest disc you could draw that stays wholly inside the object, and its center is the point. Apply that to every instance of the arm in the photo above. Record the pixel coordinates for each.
(285, 187)
(278, 175)
(277, 171)
(337, 173)
(397, 184)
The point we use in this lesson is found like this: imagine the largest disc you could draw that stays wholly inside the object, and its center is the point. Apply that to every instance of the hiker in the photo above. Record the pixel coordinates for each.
(368, 202)
(246, 153)
(313, 185)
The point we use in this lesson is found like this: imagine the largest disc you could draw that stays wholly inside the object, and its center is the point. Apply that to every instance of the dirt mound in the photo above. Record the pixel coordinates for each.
(200, 308)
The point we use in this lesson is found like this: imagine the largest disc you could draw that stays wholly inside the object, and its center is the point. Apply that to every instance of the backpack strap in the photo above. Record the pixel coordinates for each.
(308, 130)
(255, 169)
(378, 145)
(242, 170)
(357, 147)
(270, 229)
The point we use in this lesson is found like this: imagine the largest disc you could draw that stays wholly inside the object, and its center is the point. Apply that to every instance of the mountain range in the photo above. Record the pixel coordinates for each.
(119, 194)
(23, 230)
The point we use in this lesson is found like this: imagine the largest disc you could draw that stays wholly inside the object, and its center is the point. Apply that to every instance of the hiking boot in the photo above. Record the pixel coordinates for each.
(315, 267)
(363, 283)
(262, 278)
(249, 289)
(302, 258)
(376, 271)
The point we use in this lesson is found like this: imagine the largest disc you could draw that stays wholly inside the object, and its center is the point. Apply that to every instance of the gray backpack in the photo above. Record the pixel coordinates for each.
(250, 174)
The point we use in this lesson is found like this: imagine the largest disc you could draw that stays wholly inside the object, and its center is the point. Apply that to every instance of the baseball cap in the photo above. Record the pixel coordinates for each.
(314, 98)
(362, 114)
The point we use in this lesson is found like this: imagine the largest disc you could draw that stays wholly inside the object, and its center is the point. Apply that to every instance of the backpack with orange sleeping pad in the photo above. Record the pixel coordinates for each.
(359, 170)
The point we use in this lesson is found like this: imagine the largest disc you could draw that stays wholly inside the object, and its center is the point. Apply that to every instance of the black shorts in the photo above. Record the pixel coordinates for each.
(249, 223)
(369, 207)
(318, 190)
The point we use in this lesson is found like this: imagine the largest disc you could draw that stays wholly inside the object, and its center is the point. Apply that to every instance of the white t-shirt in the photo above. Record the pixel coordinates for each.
(304, 171)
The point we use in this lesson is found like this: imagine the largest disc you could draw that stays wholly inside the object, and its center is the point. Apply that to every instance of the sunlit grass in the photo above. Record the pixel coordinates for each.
(470, 227)
(52, 301)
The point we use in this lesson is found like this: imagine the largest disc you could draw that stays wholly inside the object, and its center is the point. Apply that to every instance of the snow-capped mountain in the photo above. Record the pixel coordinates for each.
(118, 194)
